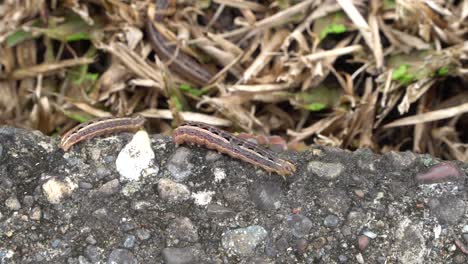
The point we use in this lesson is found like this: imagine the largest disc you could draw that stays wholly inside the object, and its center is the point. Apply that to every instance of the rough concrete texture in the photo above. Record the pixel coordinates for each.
(134, 199)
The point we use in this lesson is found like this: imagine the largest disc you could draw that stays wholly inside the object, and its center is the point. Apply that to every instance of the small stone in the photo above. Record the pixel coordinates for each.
(100, 214)
(336, 201)
(182, 229)
(342, 259)
(465, 229)
(109, 188)
(186, 255)
(325, 170)
(129, 241)
(93, 253)
(448, 210)
(173, 191)
(410, 242)
(331, 221)
(85, 185)
(143, 234)
(465, 237)
(214, 210)
(212, 156)
(452, 248)
(56, 243)
(300, 225)
(381, 260)
(35, 214)
(266, 195)
(127, 226)
(359, 193)
(121, 256)
(401, 159)
(179, 166)
(243, 241)
(369, 234)
(363, 242)
(56, 190)
(282, 244)
(442, 172)
(319, 243)
(136, 159)
(459, 259)
(219, 174)
(13, 204)
(360, 258)
(91, 240)
(301, 246)
(83, 260)
(202, 198)
(141, 205)
(6, 183)
(28, 201)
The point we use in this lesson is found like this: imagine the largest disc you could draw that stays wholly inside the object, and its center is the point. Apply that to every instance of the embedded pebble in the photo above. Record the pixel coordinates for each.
(214, 210)
(179, 165)
(336, 201)
(28, 201)
(90, 240)
(143, 234)
(13, 204)
(465, 229)
(121, 256)
(182, 229)
(363, 242)
(186, 255)
(360, 258)
(301, 246)
(219, 174)
(331, 221)
(400, 159)
(325, 170)
(100, 213)
(202, 198)
(109, 188)
(409, 236)
(300, 225)
(449, 209)
(93, 253)
(56, 190)
(369, 234)
(266, 195)
(243, 241)
(129, 241)
(442, 172)
(173, 191)
(35, 214)
(136, 159)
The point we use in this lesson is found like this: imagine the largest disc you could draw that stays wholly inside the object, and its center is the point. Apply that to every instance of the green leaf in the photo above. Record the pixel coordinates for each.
(443, 71)
(332, 29)
(18, 37)
(78, 36)
(314, 107)
(72, 29)
(177, 103)
(402, 75)
(77, 116)
(195, 92)
(389, 4)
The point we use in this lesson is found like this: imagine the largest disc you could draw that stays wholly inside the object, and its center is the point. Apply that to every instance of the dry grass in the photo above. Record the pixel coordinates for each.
(387, 75)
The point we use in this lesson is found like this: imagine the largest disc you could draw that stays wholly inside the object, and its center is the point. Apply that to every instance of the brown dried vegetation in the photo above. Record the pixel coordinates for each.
(388, 75)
